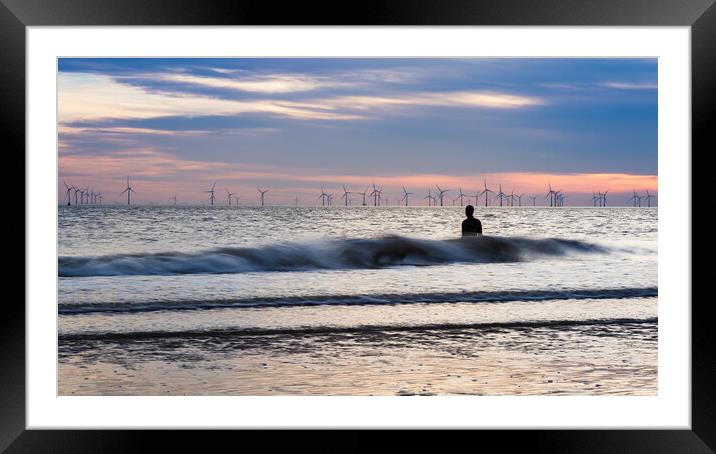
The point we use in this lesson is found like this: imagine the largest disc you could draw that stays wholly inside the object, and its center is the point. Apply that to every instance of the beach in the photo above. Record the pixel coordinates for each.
(201, 300)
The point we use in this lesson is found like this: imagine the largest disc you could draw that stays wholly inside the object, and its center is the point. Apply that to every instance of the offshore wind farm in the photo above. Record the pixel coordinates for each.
(296, 227)
(552, 198)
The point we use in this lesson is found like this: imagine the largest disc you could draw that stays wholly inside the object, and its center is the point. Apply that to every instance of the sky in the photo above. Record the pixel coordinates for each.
(177, 126)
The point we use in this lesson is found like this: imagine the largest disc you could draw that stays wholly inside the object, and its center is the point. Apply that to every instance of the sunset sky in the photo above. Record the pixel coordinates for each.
(292, 125)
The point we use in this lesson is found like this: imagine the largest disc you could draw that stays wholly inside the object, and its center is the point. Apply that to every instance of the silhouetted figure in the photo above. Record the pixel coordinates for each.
(471, 226)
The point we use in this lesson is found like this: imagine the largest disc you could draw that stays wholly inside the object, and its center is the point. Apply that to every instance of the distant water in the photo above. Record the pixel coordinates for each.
(356, 300)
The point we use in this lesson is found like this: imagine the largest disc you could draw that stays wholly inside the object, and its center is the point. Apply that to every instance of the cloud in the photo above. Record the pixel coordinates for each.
(631, 85)
(484, 99)
(84, 97)
(272, 83)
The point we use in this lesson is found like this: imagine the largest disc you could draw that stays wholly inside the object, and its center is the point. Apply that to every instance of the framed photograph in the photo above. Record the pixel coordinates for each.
(476, 223)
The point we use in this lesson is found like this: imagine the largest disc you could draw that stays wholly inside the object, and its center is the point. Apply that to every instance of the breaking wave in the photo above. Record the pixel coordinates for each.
(331, 254)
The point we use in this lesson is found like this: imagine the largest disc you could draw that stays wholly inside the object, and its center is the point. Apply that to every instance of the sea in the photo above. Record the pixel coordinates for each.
(357, 300)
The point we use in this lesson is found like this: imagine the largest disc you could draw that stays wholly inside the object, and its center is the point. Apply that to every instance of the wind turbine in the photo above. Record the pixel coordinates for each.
(376, 195)
(129, 192)
(430, 198)
(559, 198)
(229, 195)
(323, 196)
(345, 195)
(534, 200)
(519, 199)
(648, 198)
(486, 192)
(263, 193)
(604, 197)
(551, 195)
(211, 194)
(406, 196)
(382, 199)
(501, 195)
(595, 198)
(77, 190)
(82, 196)
(441, 193)
(69, 189)
(635, 198)
(460, 196)
(363, 194)
(175, 198)
(100, 198)
(512, 197)
(296, 200)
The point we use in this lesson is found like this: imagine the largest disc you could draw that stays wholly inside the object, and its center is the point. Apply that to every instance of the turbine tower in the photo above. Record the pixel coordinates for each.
(129, 192)
(175, 199)
(534, 200)
(263, 193)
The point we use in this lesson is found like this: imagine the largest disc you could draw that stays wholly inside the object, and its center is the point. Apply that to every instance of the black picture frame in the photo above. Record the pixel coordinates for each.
(16, 15)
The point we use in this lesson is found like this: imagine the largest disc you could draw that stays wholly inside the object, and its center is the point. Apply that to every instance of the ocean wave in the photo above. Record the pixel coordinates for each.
(359, 300)
(362, 329)
(330, 254)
